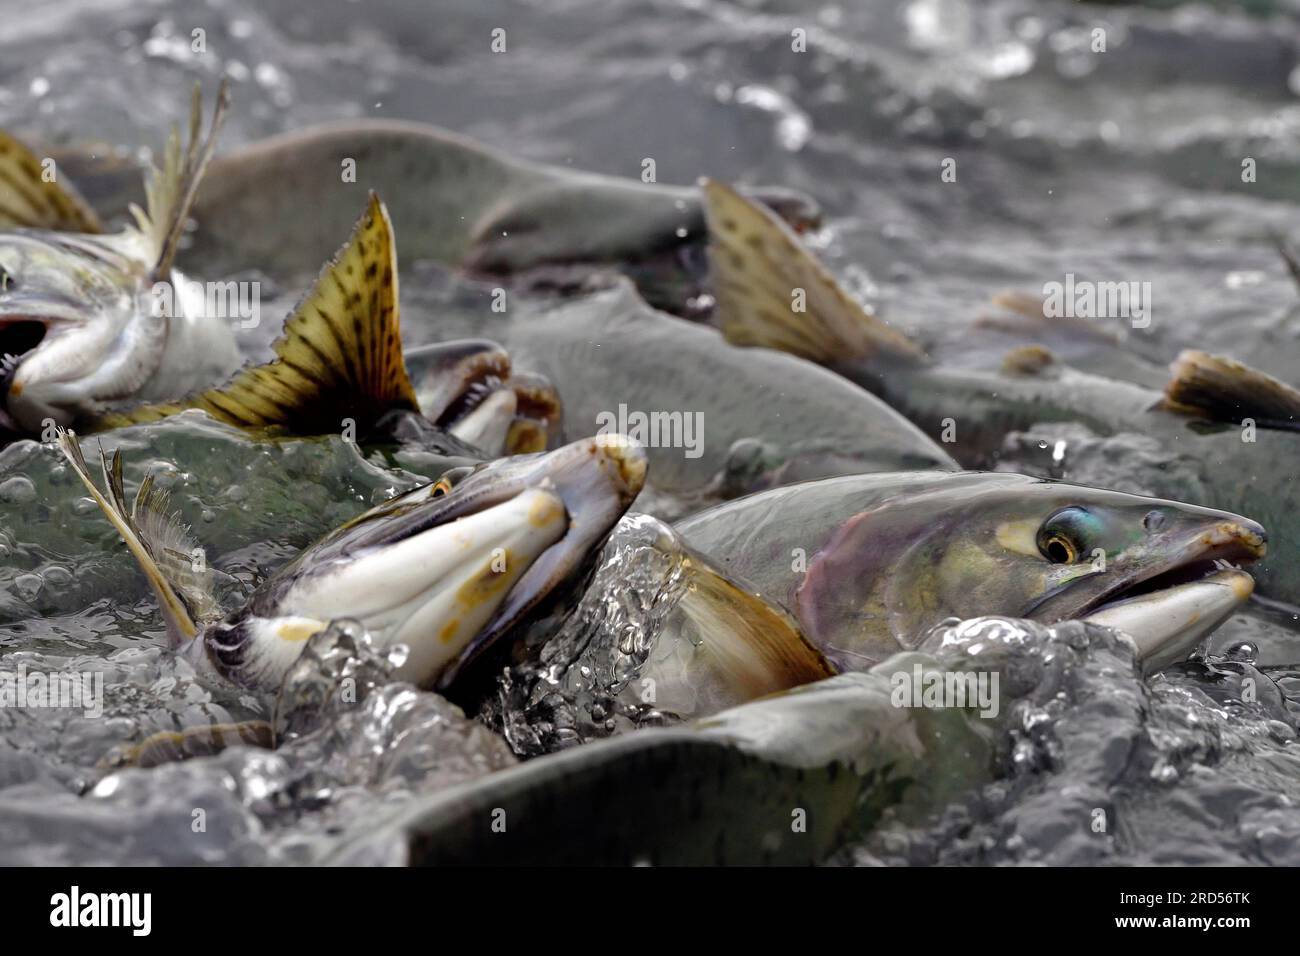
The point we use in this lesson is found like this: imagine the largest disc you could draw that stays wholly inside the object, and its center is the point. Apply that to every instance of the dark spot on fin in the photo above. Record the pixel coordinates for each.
(340, 355)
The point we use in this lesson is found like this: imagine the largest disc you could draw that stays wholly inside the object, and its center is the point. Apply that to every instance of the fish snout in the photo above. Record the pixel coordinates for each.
(1238, 539)
(626, 461)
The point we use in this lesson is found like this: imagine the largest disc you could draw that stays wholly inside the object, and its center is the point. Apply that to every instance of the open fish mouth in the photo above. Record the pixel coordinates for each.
(1226, 544)
(1166, 623)
(469, 389)
(1170, 606)
(447, 569)
(20, 335)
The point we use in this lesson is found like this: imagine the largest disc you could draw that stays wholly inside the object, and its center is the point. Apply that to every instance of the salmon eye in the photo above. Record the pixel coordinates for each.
(448, 481)
(1058, 550)
(1066, 534)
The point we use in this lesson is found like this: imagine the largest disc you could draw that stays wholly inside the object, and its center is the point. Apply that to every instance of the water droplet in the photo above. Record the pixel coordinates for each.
(1244, 651)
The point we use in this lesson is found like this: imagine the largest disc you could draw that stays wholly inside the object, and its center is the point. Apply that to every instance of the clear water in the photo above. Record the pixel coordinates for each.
(1071, 162)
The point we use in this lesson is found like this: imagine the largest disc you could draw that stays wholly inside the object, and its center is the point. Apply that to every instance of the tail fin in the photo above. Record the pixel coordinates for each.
(770, 290)
(1224, 390)
(28, 200)
(340, 355)
(172, 189)
(156, 538)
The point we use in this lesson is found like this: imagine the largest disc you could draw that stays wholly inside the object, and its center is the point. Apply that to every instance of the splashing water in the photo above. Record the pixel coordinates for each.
(580, 684)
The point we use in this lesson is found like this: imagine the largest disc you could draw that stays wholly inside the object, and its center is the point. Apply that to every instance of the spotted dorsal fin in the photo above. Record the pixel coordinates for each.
(339, 357)
(158, 540)
(170, 191)
(31, 199)
(771, 291)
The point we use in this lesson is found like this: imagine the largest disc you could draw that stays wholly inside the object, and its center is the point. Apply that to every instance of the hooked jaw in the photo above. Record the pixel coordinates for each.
(468, 388)
(1164, 626)
(1169, 607)
(448, 576)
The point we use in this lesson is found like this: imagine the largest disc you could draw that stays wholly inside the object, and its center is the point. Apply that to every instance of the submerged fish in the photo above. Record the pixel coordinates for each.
(446, 569)
(757, 262)
(717, 420)
(457, 202)
(784, 780)
(868, 564)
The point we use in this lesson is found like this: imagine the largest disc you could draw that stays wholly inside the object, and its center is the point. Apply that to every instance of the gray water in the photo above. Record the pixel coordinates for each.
(1070, 162)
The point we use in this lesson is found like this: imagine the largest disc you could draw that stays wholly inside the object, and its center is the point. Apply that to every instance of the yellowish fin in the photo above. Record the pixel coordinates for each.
(163, 547)
(772, 292)
(750, 646)
(1224, 390)
(29, 201)
(339, 357)
(170, 191)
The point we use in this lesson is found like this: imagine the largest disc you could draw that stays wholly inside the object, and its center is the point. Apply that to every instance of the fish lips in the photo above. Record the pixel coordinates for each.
(468, 388)
(1233, 540)
(596, 480)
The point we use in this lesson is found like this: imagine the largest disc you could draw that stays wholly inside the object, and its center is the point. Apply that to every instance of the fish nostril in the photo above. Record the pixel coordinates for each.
(1154, 521)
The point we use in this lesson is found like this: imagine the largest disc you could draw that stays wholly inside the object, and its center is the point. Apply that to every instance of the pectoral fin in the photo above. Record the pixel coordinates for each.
(771, 291)
(156, 538)
(340, 356)
(172, 189)
(31, 199)
(749, 646)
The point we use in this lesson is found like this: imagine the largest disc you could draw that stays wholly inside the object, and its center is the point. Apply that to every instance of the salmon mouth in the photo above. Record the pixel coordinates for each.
(469, 389)
(1164, 625)
(20, 335)
(1229, 544)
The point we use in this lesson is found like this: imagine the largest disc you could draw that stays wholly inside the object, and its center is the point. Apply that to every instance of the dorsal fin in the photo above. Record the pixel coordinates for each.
(28, 201)
(172, 189)
(759, 269)
(340, 355)
(1224, 390)
(156, 538)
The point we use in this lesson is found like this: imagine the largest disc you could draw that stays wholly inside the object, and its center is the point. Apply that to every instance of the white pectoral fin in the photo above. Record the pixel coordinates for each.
(172, 189)
(154, 538)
